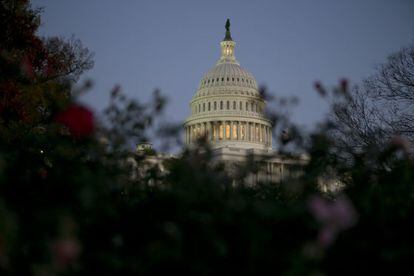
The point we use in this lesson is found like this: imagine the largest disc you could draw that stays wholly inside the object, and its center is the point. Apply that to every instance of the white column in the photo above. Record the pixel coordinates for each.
(254, 132)
(270, 137)
(262, 133)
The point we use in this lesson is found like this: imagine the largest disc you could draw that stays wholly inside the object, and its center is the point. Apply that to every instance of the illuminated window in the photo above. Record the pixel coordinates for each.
(227, 131)
(234, 131)
(257, 133)
(241, 131)
(221, 132)
(214, 132)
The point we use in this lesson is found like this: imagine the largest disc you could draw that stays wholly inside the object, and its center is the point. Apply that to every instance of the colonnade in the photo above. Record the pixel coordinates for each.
(229, 130)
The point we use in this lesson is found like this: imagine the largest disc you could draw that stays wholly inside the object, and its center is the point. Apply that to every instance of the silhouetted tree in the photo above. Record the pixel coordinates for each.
(382, 107)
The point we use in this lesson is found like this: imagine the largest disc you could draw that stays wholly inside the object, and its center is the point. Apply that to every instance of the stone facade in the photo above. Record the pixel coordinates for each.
(228, 110)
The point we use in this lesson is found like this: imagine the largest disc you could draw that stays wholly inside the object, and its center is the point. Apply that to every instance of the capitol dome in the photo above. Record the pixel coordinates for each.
(227, 108)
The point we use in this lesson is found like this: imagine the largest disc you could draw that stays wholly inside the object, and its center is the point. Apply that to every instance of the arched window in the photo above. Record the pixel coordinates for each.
(228, 78)
(221, 131)
(228, 105)
(208, 106)
(242, 131)
(222, 79)
(234, 105)
(241, 106)
(215, 105)
(247, 106)
(204, 107)
(252, 107)
(221, 105)
(232, 79)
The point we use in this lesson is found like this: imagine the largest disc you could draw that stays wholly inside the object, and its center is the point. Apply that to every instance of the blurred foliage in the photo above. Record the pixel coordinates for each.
(70, 205)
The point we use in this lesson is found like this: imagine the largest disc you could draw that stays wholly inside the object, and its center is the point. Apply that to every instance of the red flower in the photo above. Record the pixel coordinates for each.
(65, 252)
(78, 119)
(27, 67)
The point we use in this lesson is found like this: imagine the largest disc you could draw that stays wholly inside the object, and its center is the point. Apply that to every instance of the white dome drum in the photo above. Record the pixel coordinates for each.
(227, 107)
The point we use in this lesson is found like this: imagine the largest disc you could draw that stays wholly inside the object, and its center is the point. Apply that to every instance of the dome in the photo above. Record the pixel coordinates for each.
(227, 108)
(228, 73)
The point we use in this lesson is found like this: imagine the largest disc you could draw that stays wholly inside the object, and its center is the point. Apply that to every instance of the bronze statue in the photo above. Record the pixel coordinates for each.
(228, 35)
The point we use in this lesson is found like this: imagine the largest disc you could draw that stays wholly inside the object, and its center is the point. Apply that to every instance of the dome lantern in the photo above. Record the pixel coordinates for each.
(227, 47)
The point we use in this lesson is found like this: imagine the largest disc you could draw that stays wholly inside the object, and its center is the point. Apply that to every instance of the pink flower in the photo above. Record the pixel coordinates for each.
(78, 119)
(334, 216)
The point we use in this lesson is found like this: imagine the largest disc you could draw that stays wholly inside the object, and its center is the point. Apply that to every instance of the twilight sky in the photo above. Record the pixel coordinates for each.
(286, 45)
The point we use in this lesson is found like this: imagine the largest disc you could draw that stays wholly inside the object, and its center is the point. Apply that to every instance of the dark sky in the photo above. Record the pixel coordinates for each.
(286, 45)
